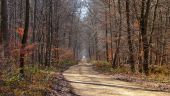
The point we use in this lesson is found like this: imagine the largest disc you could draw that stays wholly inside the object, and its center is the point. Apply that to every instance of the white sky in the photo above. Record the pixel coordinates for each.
(84, 11)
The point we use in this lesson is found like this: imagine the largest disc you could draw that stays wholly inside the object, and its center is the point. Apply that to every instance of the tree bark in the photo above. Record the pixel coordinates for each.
(24, 40)
(106, 34)
(144, 25)
(131, 53)
(4, 29)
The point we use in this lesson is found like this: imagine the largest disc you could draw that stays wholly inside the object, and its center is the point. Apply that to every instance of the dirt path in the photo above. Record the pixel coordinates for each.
(87, 82)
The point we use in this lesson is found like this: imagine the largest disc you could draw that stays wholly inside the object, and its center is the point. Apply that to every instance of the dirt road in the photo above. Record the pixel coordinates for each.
(87, 82)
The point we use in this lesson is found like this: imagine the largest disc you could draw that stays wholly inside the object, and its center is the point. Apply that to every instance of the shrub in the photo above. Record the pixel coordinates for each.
(106, 67)
(159, 70)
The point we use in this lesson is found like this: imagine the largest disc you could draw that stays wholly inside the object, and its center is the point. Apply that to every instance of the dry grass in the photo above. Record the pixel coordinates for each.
(159, 77)
(38, 81)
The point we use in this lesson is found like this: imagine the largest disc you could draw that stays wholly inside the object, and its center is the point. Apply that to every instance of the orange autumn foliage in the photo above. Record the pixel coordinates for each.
(20, 31)
(64, 53)
(30, 47)
(28, 50)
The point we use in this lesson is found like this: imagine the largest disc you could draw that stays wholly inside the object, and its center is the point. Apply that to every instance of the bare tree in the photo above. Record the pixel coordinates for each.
(145, 9)
(130, 44)
(4, 28)
(24, 39)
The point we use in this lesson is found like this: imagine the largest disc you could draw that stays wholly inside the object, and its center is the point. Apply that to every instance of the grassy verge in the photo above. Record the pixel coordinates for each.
(38, 81)
(159, 77)
(64, 65)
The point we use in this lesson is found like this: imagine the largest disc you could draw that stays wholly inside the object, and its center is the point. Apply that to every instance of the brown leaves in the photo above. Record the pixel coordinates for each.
(64, 54)
(27, 50)
(136, 24)
(30, 47)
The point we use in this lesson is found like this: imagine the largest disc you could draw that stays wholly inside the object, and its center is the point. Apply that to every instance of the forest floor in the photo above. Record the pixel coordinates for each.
(38, 82)
(158, 78)
(87, 82)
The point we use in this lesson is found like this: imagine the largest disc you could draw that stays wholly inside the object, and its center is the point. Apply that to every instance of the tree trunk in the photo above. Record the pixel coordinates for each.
(106, 35)
(24, 40)
(144, 25)
(152, 31)
(132, 62)
(4, 29)
(116, 55)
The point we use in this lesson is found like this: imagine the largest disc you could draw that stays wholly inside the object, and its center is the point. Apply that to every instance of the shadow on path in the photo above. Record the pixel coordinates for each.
(117, 86)
(87, 82)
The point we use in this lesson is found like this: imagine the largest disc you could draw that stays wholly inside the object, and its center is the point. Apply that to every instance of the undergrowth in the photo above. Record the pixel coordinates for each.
(159, 74)
(37, 81)
(106, 67)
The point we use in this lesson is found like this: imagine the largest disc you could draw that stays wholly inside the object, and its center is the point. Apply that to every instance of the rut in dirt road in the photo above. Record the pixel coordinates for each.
(87, 82)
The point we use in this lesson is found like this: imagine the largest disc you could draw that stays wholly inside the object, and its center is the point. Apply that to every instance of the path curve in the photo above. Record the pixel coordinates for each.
(87, 82)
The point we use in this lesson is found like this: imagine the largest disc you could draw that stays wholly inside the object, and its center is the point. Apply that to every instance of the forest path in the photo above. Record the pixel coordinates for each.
(87, 82)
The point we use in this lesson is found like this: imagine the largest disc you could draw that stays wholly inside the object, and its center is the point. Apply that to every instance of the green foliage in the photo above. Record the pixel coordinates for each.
(32, 69)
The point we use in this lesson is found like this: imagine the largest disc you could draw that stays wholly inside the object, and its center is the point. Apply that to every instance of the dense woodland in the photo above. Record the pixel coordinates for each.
(125, 33)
